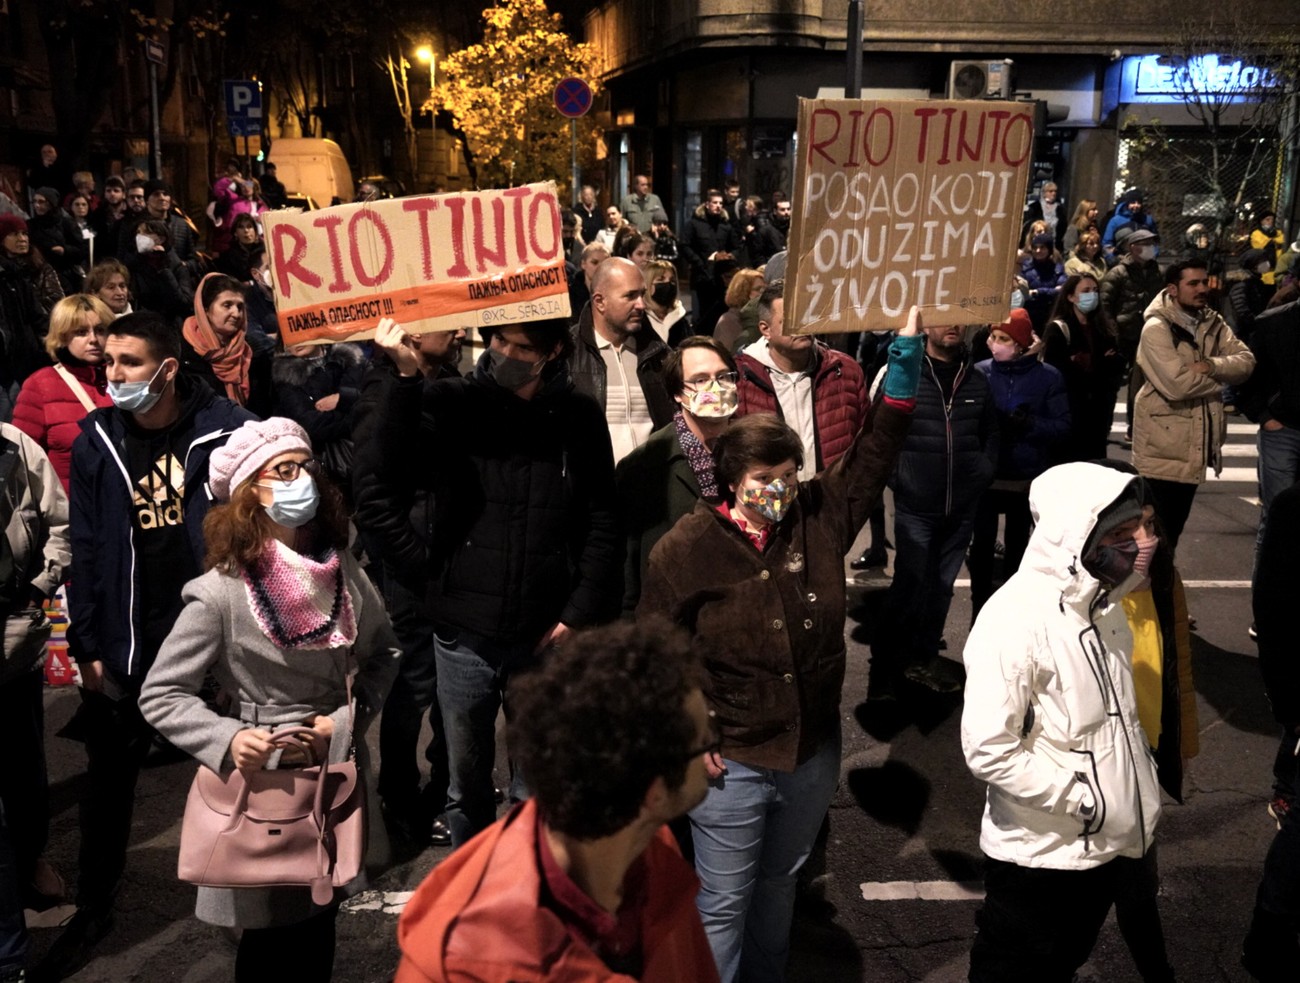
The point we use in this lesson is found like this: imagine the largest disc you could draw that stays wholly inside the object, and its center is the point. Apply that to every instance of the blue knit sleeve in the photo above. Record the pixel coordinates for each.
(904, 375)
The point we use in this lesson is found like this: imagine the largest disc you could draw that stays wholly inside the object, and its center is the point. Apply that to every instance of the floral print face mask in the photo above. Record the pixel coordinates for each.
(771, 501)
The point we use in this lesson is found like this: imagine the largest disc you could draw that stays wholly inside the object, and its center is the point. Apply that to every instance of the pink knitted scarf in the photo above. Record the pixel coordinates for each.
(300, 601)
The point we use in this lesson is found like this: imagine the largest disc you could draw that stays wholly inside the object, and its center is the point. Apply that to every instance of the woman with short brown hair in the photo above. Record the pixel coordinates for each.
(758, 579)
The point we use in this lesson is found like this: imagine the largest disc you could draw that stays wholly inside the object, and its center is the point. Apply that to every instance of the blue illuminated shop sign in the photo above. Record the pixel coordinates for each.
(1156, 78)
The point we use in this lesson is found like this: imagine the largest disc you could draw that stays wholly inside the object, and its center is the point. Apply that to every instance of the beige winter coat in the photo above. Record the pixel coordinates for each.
(1178, 423)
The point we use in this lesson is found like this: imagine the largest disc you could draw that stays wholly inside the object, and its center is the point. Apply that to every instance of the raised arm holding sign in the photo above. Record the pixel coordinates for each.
(903, 203)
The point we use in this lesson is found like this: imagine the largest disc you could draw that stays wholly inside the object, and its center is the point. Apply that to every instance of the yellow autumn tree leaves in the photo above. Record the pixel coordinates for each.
(501, 94)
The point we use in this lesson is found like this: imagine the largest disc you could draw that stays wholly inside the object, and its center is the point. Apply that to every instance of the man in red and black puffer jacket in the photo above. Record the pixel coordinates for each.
(819, 392)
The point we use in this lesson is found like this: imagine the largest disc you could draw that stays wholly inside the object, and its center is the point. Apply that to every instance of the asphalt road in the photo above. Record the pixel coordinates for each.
(904, 824)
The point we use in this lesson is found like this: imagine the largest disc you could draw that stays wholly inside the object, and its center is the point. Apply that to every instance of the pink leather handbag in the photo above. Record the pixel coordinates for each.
(291, 827)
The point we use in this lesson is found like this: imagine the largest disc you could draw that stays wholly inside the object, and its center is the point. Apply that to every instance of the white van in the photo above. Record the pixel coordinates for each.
(314, 167)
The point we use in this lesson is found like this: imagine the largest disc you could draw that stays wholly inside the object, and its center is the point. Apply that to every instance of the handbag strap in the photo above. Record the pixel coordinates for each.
(77, 388)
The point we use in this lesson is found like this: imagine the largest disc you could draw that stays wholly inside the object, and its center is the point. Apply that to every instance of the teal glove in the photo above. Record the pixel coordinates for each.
(904, 376)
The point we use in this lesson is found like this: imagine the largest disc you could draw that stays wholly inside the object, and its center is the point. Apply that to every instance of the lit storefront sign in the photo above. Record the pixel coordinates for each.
(1157, 78)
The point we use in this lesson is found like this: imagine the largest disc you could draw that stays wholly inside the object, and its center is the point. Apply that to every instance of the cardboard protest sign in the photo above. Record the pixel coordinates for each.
(431, 262)
(905, 202)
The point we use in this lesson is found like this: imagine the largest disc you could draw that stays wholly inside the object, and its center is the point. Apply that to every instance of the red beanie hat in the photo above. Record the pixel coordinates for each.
(1019, 327)
(11, 223)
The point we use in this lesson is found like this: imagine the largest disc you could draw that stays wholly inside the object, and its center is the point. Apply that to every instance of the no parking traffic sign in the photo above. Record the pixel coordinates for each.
(573, 97)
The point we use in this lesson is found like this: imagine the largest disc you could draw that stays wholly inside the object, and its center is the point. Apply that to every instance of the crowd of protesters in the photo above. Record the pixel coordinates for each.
(258, 537)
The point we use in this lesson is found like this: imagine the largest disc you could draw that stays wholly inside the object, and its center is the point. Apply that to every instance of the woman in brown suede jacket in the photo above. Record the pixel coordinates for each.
(759, 581)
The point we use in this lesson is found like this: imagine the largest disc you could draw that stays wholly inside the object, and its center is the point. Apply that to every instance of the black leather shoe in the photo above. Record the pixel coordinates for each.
(937, 675)
(871, 559)
(72, 949)
(440, 832)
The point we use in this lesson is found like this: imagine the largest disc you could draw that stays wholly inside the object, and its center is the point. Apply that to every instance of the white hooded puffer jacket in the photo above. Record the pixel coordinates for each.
(1050, 719)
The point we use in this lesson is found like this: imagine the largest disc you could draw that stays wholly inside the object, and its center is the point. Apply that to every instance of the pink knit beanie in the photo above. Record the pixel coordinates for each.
(248, 450)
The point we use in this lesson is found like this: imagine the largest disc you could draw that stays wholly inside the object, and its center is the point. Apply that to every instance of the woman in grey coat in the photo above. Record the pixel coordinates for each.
(280, 618)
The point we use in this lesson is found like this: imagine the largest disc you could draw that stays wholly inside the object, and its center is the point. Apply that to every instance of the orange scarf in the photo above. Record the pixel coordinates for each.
(229, 359)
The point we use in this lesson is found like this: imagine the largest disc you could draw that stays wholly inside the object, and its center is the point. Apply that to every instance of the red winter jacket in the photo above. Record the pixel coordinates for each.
(49, 412)
(839, 398)
(477, 918)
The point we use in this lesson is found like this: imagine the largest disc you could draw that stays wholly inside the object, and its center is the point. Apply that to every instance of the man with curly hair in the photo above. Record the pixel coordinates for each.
(584, 877)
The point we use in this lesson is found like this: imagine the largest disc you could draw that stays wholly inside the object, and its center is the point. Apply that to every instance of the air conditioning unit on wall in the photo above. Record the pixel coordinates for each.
(980, 79)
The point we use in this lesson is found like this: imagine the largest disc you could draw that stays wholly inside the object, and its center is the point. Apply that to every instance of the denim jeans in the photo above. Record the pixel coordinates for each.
(928, 557)
(752, 833)
(473, 676)
(1279, 469)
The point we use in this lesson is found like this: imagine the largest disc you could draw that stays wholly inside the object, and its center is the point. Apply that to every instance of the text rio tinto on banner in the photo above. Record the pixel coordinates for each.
(902, 203)
(431, 262)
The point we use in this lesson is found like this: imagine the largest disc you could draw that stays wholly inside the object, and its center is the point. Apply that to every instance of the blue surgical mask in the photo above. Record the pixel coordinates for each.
(1017, 298)
(1087, 302)
(293, 503)
(134, 397)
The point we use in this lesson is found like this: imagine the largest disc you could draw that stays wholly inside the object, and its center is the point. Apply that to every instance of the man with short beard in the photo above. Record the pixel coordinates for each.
(616, 360)
(1187, 354)
(107, 218)
(582, 882)
(948, 459)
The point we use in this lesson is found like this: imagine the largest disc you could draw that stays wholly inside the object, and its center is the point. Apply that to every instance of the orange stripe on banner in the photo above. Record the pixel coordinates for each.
(439, 303)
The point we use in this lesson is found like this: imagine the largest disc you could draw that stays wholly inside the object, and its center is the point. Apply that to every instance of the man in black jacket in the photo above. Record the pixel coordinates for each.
(947, 461)
(524, 543)
(709, 237)
(412, 813)
(617, 357)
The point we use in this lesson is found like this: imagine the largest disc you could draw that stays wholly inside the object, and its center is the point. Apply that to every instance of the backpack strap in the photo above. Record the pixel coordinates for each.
(77, 388)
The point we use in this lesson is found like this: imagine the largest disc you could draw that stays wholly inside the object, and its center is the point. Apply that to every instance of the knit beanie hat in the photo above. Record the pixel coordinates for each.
(1043, 239)
(248, 450)
(50, 195)
(11, 223)
(1019, 327)
(1125, 508)
(154, 186)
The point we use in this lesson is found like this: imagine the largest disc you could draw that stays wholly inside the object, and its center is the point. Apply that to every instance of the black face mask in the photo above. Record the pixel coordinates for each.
(1112, 565)
(664, 294)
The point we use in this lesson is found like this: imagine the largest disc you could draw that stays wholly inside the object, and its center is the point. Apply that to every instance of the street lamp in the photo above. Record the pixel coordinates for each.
(424, 54)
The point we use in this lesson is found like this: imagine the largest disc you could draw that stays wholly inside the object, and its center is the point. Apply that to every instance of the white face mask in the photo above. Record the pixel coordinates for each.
(143, 243)
(1145, 253)
(1263, 268)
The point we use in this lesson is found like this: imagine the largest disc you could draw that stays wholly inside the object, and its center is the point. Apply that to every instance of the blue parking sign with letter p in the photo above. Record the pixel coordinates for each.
(243, 99)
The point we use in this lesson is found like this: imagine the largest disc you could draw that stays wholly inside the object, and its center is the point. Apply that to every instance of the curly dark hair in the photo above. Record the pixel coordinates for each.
(602, 718)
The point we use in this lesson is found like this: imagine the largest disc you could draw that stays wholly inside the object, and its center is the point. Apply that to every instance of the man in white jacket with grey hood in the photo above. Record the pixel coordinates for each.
(1051, 724)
